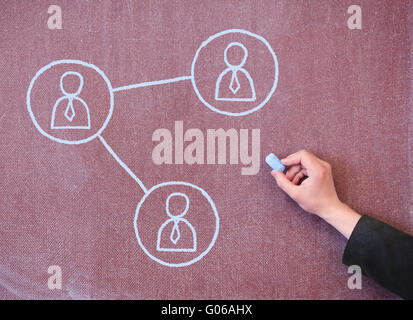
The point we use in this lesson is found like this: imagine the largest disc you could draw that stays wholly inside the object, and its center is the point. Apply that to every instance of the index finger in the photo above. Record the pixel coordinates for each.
(304, 158)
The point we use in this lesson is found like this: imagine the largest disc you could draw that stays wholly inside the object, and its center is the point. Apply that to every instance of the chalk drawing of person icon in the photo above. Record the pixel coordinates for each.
(235, 83)
(176, 234)
(70, 111)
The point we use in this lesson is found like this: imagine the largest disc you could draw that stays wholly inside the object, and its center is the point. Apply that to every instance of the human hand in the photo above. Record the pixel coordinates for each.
(316, 194)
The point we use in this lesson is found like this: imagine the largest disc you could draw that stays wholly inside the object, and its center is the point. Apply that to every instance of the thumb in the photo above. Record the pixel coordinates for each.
(286, 185)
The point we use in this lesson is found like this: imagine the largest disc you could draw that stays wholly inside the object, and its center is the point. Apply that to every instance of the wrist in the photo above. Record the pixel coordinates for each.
(333, 210)
(343, 218)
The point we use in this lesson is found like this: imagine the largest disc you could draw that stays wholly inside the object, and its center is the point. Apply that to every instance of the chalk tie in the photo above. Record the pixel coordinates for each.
(175, 233)
(234, 86)
(70, 110)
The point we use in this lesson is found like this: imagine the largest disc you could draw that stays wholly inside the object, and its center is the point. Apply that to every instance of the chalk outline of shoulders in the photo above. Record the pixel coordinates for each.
(68, 96)
(235, 69)
(177, 218)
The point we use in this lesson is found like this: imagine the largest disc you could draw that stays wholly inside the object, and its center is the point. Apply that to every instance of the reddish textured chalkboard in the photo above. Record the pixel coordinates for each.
(344, 94)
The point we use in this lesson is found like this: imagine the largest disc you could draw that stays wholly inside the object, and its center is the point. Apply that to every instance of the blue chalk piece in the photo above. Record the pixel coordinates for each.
(275, 163)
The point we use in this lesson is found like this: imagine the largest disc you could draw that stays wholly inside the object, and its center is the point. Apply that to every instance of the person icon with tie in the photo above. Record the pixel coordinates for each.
(176, 234)
(235, 83)
(70, 111)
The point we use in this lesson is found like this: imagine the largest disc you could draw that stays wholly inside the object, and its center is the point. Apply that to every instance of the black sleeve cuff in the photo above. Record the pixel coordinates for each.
(383, 253)
(354, 248)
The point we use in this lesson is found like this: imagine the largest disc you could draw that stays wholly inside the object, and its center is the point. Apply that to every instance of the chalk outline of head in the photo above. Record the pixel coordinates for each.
(202, 254)
(79, 89)
(76, 62)
(177, 216)
(244, 58)
(271, 92)
(175, 219)
(234, 69)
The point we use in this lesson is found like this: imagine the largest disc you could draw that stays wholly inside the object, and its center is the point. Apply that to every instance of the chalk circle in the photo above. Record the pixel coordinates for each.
(206, 196)
(76, 62)
(272, 90)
